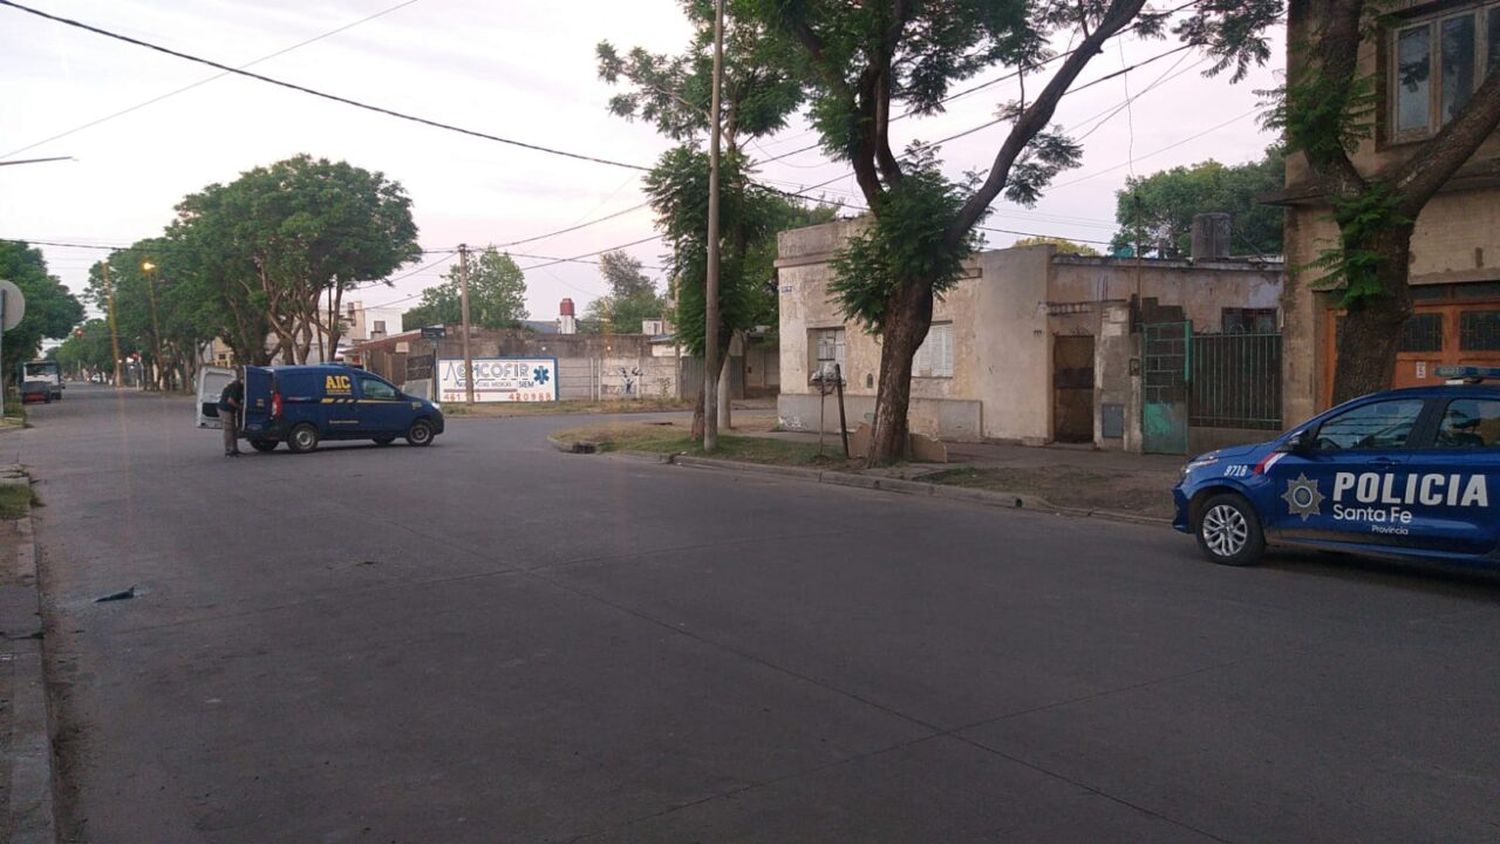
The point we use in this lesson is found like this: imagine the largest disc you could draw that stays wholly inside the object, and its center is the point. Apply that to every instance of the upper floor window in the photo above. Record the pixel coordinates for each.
(1436, 64)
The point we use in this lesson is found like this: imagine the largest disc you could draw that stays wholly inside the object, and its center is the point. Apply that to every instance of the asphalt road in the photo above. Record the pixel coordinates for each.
(487, 640)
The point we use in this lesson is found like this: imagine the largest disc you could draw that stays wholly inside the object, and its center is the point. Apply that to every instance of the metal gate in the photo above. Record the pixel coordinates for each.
(1166, 367)
(1236, 381)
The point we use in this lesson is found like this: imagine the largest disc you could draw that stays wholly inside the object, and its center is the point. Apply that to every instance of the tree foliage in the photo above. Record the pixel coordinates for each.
(1062, 245)
(1157, 211)
(632, 296)
(51, 310)
(88, 350)
(497, 295)
(299, 233)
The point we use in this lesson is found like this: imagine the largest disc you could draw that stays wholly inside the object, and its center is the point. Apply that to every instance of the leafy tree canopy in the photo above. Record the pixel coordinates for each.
(1165, 202)
(497, 295)
(1063, 245)
(632, 296)
(51, 310)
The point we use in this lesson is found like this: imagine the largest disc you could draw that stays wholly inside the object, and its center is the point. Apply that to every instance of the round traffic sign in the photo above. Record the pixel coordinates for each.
(15, 304)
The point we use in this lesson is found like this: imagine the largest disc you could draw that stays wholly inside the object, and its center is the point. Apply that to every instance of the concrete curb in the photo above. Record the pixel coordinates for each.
(989, 498)
(583, 447)
(29, 819)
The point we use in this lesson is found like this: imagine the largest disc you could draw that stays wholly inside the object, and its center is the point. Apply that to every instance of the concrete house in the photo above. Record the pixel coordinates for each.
(1031, 345)
(1427, 57)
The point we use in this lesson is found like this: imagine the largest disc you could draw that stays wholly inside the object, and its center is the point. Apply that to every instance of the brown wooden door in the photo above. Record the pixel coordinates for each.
(1073, 389)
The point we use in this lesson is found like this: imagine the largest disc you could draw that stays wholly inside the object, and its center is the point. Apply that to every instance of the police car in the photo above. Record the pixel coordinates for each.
(1404, 474)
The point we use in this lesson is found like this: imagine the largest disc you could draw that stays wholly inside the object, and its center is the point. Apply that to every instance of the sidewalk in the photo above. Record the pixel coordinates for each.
(1067, 476)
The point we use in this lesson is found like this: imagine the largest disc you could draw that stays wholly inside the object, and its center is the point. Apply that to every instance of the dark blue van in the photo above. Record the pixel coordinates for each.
(304, 405)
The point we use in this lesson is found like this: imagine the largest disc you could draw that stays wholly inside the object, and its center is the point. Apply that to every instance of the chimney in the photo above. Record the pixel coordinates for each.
(1210, 236)
(567, 323)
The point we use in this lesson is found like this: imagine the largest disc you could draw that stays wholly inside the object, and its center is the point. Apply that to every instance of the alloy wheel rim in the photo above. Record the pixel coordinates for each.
(1225, 530)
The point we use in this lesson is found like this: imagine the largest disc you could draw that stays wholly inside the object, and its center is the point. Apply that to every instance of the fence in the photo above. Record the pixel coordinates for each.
(1235, 381)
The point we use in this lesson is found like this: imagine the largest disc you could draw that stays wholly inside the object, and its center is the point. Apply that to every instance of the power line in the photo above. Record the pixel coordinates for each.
(1170, 146)
(997, 80)
(316, 93)
(208, 79)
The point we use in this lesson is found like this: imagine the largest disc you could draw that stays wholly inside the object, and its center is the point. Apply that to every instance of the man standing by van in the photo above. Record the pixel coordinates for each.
(230, 402)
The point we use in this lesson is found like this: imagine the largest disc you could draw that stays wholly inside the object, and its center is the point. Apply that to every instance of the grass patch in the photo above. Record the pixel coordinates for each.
(673, 438)
(1069, 486)
(16, 501)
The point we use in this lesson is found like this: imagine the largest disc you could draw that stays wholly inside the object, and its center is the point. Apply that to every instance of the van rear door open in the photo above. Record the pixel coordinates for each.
(211, 383)
(260, 383)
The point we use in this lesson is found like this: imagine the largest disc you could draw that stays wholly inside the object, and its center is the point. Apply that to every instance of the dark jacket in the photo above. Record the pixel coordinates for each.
(235, 393)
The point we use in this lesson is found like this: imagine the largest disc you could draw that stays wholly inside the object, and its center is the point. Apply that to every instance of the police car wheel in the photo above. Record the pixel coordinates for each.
(1228, 531)
(384, 440)
(304, 438)
(420, 433)
(263, 445)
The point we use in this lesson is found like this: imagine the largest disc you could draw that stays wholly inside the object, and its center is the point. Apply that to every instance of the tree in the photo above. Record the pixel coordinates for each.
(497, 295)
(87, 351)
(761, 88)
(1063, 246)
(1157, 211)
(51, 310)
(1327, 110)
(863, 63)
(632, 296)
(309, 229)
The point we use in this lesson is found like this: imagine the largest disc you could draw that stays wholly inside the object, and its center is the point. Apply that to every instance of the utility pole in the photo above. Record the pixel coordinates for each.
(160, 364)
(711, 297)
(114, 332)
(463, 305)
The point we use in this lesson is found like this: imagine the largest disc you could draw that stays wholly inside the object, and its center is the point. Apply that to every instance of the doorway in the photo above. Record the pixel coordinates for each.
(1073, 388)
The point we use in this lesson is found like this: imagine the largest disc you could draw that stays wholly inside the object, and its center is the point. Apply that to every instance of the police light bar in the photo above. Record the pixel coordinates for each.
(1469, 374)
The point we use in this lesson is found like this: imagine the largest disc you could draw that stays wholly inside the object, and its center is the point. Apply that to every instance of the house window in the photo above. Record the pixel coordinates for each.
(935, 356)
(827, 348)
(1479, 331)
(1248, 320)
(1436, 64)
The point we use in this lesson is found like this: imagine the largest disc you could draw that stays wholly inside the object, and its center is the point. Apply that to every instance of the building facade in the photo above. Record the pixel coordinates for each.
(1427, 58)
(1030, 345)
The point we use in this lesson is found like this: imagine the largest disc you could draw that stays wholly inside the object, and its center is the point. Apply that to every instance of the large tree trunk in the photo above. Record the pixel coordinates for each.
(700, 419)
(1372, 327)
(908, 315)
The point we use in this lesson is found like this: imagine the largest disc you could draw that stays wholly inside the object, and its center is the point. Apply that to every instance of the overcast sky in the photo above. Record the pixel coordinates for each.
(521, 69)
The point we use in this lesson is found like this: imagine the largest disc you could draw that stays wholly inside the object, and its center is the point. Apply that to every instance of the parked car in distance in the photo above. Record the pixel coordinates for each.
(33, 392)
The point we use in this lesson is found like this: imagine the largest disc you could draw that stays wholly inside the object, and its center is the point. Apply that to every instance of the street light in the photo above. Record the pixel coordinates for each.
(150, 270)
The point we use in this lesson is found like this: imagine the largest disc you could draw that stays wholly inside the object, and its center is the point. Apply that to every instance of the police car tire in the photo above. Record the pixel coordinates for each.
(302, 439)
(384, 440)
(263, 445)
(420, 433)
(1229, 505)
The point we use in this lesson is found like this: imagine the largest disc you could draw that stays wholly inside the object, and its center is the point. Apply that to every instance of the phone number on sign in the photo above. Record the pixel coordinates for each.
(514, 395)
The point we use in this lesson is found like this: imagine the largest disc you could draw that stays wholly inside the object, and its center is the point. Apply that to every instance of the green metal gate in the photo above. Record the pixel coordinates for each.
(1166, 367)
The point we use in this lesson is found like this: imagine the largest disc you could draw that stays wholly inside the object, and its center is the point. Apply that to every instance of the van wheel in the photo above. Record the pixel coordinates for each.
(304, 438)
(420, 433)
(1228, 531)
(263, 445)
(384, 440)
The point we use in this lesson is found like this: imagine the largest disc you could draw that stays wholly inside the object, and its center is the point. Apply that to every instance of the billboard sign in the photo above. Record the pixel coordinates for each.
(500, 379)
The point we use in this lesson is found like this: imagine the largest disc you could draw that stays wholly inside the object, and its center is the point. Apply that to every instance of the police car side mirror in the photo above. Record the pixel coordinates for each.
(1297, 443)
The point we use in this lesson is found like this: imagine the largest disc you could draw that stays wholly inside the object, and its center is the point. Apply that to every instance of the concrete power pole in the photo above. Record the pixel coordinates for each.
(114, 331)
(711, 297)
(463, 306)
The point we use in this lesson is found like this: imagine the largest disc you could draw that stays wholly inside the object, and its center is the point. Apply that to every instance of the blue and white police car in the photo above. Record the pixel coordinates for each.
(1407, 474)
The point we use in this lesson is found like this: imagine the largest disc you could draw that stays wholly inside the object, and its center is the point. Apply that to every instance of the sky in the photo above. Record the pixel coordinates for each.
(519, 69)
